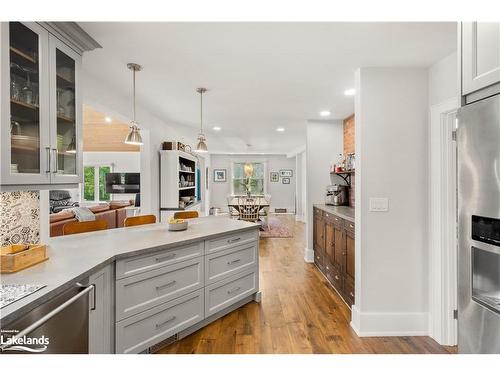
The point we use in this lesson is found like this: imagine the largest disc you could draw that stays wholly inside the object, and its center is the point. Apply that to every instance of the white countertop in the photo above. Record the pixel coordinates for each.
(345, 212)
(73, 258)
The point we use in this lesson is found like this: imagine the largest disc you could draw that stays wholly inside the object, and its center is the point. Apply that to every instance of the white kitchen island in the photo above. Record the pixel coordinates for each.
(150, 284)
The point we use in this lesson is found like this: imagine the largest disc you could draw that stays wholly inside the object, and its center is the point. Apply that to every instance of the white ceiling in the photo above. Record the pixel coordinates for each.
(260, 76)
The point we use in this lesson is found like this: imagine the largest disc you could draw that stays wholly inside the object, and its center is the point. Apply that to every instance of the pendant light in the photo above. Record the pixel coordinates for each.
(134, 136)
(201, 146)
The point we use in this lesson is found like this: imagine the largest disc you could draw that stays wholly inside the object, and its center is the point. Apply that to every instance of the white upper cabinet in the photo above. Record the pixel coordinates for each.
(480, 55)
(25, 143)
(41, 105)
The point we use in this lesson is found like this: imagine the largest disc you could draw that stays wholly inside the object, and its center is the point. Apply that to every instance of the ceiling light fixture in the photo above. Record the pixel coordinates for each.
(201, 146)
(281, 130)
(325, 113)
(108, 120)
(350, 92)
(134, 136)
(217, 128)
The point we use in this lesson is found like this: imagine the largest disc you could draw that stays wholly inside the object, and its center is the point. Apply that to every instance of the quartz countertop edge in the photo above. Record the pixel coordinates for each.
(76, 257)
(345, 212)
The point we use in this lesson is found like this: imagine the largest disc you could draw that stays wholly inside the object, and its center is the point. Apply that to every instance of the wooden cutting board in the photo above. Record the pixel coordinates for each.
(17, 257)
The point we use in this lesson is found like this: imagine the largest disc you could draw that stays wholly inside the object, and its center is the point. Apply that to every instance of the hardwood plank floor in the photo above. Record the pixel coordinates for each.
(299, 313)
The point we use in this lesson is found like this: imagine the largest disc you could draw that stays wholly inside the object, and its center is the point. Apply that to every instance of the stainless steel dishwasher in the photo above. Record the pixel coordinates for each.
(63, 321)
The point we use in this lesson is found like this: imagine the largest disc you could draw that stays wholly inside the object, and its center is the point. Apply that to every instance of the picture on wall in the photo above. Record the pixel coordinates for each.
(274, 176)
(286, 173)
(220, 175)
(285, 180)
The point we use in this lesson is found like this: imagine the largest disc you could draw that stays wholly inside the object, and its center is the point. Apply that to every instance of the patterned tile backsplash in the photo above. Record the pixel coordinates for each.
(19, 217)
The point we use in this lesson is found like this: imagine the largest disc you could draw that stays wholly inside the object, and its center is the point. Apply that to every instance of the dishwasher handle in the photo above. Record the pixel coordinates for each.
(39, 322)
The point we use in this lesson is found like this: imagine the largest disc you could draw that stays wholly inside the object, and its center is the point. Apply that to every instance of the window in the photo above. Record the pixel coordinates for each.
(94, 183)
(248, 175)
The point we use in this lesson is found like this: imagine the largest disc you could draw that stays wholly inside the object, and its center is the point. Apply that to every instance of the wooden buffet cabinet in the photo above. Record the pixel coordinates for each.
(333, 241)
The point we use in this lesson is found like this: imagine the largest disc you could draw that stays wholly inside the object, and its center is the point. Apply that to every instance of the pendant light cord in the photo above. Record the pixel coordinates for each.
(133, 91)
(201, 112)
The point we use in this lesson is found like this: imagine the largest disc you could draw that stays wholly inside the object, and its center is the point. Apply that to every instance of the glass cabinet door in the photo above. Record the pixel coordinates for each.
(26, 121)
(66, 150)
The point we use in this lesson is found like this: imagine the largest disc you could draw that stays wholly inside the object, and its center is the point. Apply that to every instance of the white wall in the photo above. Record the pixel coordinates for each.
(325, 141)
(282, 195)
(129, 162)
(391, 157)
(301, 188)
(443, 79)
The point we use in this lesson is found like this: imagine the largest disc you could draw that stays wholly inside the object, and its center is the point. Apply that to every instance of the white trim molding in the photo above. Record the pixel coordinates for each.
(371, 324)
(442, 223)
(308, 255)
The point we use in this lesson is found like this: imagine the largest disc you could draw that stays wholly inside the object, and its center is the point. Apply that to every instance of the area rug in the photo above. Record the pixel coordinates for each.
(276, 229)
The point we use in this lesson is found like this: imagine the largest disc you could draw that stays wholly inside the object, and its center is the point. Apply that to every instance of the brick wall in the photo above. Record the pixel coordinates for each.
(349, 135)
(349, 129)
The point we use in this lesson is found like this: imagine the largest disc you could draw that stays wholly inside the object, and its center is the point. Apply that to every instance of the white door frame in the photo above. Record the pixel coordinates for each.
(442, 223)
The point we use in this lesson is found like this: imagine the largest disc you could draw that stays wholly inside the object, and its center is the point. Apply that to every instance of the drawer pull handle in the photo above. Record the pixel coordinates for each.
(233, 240)
(233, 261)
(344, 253)
(337, 278)
(166, 285)
(351, 294)
(159, 325)
(233, 290)
(166, 257)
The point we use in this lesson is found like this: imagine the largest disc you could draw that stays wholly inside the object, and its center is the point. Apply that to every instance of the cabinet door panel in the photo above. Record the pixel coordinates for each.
(24, 103)
(339, 254)
(480, 55)
(330, 242)
(349, 251)
(65, 113)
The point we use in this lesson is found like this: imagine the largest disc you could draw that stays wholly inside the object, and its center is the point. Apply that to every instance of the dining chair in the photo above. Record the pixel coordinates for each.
(139, 220)
(84, 226)
(248, 209)
(264, 212)
(233, 212)
(186, 215)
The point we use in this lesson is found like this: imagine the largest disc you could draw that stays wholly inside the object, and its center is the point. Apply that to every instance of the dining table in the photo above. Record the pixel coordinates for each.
(259, 200)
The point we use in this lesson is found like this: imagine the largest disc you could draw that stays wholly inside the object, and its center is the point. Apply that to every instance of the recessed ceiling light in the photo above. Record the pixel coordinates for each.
(350, 92)
(217, 128)
(108, 119)
(325, 113)
(281, 130)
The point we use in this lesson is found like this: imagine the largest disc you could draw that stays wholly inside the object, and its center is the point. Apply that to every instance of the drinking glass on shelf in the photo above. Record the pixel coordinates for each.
(28, 90)
(15, 91)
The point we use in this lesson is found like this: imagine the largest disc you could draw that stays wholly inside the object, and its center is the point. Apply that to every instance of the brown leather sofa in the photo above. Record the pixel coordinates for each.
(114, 213)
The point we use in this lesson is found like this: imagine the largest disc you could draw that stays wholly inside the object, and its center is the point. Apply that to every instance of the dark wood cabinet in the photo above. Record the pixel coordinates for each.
(334, 251)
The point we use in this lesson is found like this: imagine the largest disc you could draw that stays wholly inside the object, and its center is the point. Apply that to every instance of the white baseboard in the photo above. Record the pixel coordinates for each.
(369, 324)
(308, 255)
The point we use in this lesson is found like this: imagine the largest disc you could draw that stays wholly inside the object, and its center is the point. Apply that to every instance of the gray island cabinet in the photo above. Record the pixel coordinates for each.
(150, 285)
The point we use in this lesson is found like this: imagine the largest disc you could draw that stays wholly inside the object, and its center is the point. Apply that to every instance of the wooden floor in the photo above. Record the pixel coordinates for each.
(299, 313)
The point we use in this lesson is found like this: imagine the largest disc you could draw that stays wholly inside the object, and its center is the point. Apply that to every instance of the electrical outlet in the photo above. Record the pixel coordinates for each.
(379, 204)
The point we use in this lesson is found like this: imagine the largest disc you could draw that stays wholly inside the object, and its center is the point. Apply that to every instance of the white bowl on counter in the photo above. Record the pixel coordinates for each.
(178, 226)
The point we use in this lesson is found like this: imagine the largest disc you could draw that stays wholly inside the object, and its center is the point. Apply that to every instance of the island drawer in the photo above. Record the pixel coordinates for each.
(138, 293)
(229, 241)
(142, 263)
(150, 327)
(228, 262)
(228, 291)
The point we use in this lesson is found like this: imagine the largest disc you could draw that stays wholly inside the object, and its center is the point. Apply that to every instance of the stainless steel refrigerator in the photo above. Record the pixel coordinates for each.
(478, 137)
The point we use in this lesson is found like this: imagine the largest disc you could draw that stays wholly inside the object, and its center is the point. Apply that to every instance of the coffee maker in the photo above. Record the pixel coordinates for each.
(337, 195)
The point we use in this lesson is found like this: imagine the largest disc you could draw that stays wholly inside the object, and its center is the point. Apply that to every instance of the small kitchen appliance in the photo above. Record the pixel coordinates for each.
(337, 195)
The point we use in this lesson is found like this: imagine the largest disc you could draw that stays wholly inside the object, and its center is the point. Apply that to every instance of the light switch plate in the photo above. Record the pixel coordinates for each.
(379, 204)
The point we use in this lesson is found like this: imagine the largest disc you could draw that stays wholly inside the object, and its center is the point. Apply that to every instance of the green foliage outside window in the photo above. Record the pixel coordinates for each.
(88, 183)
(103, 196)
(255, 182)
